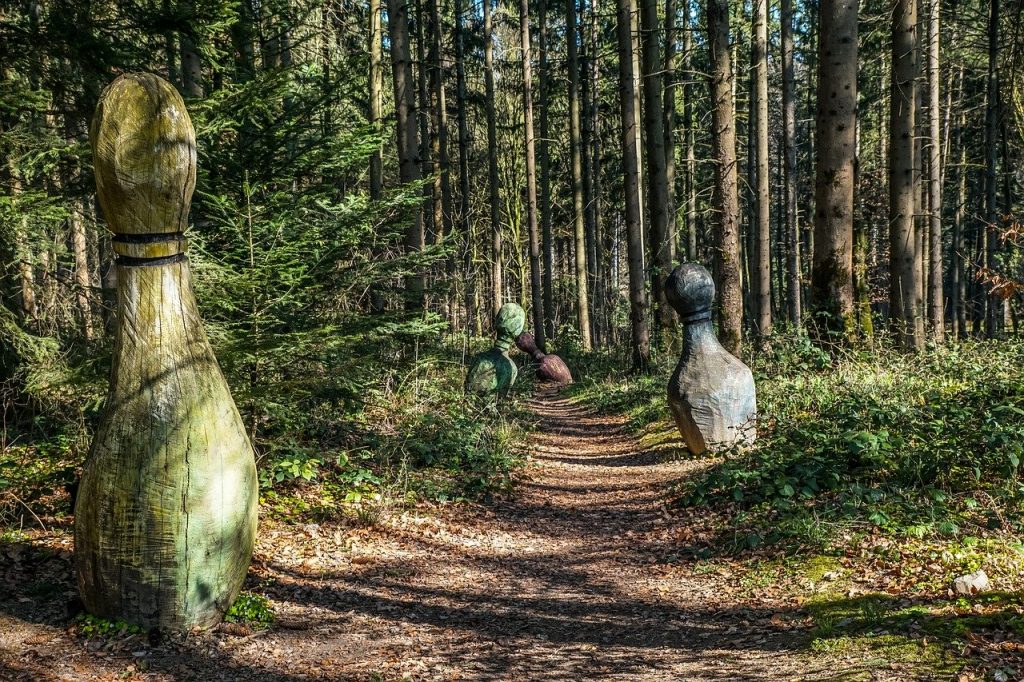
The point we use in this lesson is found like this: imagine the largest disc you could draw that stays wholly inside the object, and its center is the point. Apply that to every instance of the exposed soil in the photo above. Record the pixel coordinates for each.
(572, 579)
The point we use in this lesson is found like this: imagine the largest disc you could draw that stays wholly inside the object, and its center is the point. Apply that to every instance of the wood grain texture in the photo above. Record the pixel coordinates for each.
(165, 518)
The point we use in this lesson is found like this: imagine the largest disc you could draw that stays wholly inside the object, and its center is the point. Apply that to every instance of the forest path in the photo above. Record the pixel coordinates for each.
(568, 580)
(571, 579)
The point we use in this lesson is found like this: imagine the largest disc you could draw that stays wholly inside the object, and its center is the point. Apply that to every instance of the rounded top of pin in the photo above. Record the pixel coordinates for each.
(526, 343)
(144, 155)
(510, 321)
(691, 291)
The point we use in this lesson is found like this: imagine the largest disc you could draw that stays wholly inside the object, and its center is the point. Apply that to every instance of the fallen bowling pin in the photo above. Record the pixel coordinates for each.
(165, 517)
(711, 393)
(493, 372)
(551, 369)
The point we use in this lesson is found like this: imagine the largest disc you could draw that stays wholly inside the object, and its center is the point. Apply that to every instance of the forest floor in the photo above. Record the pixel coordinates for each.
(577, 576)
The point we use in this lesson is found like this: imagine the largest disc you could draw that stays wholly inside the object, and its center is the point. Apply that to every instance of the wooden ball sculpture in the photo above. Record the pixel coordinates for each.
(492, 372)
(165, 518)
(711, 393)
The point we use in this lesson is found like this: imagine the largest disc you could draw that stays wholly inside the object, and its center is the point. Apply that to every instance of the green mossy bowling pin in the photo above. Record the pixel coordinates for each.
(166, 513)
(492, 372)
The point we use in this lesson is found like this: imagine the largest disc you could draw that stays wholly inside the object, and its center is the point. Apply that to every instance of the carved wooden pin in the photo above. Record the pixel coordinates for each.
(551, 369)
(165, 518)
(493, 372)
(711, 393)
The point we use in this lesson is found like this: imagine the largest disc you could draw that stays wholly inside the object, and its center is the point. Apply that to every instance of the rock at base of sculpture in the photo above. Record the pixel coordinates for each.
(492, 373)
(711, 393)
(551, 369)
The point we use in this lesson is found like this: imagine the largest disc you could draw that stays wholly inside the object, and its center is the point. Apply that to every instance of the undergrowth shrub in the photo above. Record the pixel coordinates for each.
(916, 444)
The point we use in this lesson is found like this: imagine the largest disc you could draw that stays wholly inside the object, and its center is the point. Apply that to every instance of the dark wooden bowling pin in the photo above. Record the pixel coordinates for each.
(711, 393)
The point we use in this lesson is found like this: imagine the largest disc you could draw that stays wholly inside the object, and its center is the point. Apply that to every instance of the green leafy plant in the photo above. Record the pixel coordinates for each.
(94, 626)
(251, 609)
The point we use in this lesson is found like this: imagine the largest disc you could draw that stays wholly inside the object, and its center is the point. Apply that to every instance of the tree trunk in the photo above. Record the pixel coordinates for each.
(659, 237)
(836, 124)
(575, 142)
(531, 177)
(936, 302)
(465, 226)
(689, 184)
(669, 118)
(497, 286)
(544, 161)
(994, 305)
(408, 145)
(191, 66)
(723, 151)
(790, 171)
(904, 287)
(376, 87)
(601, 286)
(761, 270)
(641, 350)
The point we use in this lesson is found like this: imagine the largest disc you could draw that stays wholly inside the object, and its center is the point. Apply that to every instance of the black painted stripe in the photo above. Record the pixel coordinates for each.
(150, 238)
(131, 262)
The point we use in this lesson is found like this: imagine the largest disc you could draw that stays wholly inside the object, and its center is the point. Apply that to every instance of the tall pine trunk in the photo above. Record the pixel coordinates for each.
(723, 151)
(690, 127)
(497, 293)
(544, 161)
(531, 177)
(790, 171)
(659, 237)
(993, 304)
(761, 271)
(465, 226)
(640, 346)
(408, 144)
(904, 285)
(575, 142)
(936, 302)
(836, 123)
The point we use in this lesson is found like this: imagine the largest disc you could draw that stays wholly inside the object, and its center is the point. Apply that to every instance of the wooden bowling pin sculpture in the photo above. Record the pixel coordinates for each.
(166, 512)
(711, 393)
(551, 369)
(492, 372)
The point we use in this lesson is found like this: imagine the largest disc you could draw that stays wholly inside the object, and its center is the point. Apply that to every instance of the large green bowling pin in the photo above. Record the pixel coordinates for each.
(166, 513)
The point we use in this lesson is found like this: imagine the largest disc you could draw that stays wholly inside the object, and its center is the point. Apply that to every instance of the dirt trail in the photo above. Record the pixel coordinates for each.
(566, 581)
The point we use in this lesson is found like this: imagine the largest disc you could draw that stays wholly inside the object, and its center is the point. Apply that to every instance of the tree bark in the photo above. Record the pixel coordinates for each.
(761, 283)
(993, 304)
(904, 287)
(408, 145)
(575, 143)
(669, 118)
(723, 151)
(191, 66)
(640, 346)
(689, 183)
(497, 286)
(465, 226)
(539, 326)
(936, 302)
(601, 269)
(376, 86)
(659, 237)
(836, 124)
(790, 171)
(544, 161)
